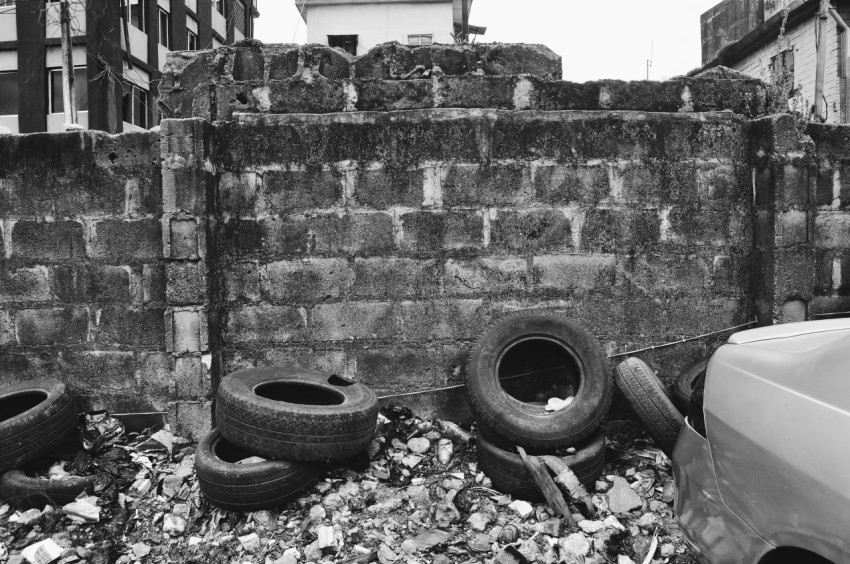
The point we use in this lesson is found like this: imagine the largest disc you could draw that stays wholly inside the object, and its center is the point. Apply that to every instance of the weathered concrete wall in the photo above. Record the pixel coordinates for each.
(378, 244)
(82, 276)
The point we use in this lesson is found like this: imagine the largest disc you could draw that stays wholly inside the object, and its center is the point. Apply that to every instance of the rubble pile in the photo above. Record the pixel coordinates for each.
(416, 496)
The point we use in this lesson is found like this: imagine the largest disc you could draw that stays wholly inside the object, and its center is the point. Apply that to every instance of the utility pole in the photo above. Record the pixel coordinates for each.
(69, 95)
(649, 60)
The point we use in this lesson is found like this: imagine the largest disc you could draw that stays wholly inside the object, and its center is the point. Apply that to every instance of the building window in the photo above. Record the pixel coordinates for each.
(239, 17)
(135, 105)
(347, 43)
(8, 93)
(139, 14)
(420, 39)
(81, 88)
(219, 6)
(782, 71)
(164, 29)
(191, 41)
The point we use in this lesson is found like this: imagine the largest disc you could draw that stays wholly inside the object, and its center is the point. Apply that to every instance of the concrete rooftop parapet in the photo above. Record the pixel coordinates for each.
(284, 79)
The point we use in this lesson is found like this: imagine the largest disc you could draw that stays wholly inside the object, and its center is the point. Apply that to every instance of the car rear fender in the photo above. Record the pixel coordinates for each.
(780, 456)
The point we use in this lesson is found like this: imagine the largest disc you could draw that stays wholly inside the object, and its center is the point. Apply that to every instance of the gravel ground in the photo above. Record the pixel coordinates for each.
(391, 505)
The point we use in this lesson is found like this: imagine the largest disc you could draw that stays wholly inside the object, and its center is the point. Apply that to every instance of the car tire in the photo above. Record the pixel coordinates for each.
(509, 474)
(684, 386)
(649, 400)
(26, 492)
(248, 487)
(524, 423)
(296, 414)
(35, 417)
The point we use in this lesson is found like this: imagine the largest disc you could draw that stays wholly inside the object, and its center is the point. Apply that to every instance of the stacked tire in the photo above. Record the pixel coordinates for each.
(36, 418)
(520, 361)
(277, 430)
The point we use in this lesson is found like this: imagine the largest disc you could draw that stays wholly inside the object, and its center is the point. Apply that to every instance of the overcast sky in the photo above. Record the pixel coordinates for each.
(610, 39)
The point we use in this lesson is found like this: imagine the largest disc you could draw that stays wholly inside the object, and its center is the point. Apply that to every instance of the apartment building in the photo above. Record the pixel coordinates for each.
(119, 49)
(779, 42)
(358, 25)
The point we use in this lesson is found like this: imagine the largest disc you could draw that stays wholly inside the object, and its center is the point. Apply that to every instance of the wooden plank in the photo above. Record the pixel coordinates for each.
(565, 476)
(547, 486)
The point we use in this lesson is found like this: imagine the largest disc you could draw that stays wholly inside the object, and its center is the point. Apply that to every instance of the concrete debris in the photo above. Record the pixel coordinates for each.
(43, 552)
(622, 498)
(150, 510)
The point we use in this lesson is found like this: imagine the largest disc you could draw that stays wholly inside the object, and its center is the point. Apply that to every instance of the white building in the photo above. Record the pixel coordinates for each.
(359, 25)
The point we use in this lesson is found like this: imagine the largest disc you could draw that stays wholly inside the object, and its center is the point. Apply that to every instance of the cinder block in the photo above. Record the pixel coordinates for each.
(528, 232)
(476, 92)
(353, 320)
(794, 274)
(575, 272)
(794, 311)
(186, 283)
(385, 278)
(792, 228)
(825, 184)
(25, 285)
(442, 319)
(54, 241)
(393, 95)
(154, 375)
(293, 191)
(248, 64)
(239, 193)
(841, 273)
(7, 330)
(104, 379)
(690, 317)
(387, 187)
(153, 283)
(246, 237)
(184, 239)
(124, 241)
(305, 281)
(264, 324)
(185, 190)
(191, 379)
(485, 185)
(57, 326)
(794, 184)
(765, 187)
(691, 225)
(191, 419)
(485, 276)
(562, 184)
(242, 282)
(402, 369)
(360, 234)
(831, 229)
(283, 65)
(187, 331)
(429, 232)
(132, 327)
(92, 283)
(332, 361)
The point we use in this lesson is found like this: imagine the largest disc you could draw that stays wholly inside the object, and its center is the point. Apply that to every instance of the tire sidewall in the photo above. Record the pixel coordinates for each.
(518, 420)
(243, 383)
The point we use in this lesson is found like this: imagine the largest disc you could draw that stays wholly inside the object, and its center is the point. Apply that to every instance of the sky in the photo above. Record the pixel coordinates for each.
(597, 40)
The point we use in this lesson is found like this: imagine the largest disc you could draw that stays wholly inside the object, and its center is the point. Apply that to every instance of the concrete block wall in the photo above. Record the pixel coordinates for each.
(379, 246)
(830, 221)
(82, 277)
(258, 78)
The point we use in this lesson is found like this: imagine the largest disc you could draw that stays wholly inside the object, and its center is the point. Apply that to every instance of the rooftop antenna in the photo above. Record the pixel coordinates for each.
(649, 60)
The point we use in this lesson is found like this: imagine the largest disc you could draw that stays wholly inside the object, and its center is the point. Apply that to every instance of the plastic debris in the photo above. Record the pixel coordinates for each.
(100, 431)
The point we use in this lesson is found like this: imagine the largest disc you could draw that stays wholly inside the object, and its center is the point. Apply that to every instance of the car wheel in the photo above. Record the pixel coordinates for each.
(26, 492)
(685, 383)
(35, 417)
(509, 474)
(649, 400)
(296, 414)
(525, 358)
(250, 486)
